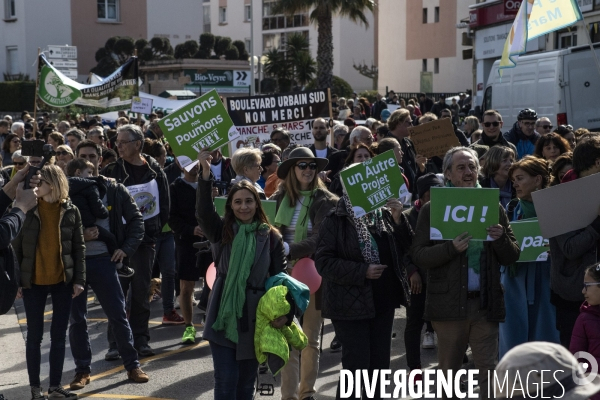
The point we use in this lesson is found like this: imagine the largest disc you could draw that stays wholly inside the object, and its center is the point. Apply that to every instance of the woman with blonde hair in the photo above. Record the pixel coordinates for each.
(246, 164)
(64, 154)
(494, 172)
(471, 124)
(51, 252)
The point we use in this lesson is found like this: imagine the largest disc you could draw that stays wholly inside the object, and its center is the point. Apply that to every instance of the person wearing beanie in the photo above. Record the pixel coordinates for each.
(417, 278)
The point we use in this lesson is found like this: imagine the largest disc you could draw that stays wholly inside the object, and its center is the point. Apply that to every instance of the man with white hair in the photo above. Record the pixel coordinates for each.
(18, 128)
(543, 125)
(361, 134)
(63, 127)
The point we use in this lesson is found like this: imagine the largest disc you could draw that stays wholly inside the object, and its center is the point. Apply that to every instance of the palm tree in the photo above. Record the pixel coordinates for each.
(322, 16)
(280, 68)
(298, 53)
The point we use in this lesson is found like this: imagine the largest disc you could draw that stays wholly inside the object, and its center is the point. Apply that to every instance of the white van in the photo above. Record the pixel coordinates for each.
(562, 85)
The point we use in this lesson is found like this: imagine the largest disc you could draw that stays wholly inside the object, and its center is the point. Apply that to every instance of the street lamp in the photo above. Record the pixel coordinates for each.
(255, 68)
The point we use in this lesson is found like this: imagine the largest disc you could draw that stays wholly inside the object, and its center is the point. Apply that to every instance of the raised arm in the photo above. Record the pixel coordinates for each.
(210, 222)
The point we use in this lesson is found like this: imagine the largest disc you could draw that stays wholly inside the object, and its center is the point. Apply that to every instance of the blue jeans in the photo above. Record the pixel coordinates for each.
(34, 300)
(233, 379)
(165, 257)
(141, 262)
(101, 275)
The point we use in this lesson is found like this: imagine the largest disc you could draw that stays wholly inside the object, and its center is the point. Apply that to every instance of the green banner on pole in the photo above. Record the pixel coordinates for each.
(370, 184)
(201, 123)
(457, 210)
(534, 247)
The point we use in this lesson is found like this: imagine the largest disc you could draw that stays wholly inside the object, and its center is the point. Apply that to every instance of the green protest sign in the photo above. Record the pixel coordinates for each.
(201, 123)
(270, 207)
(370, 184)
(534, 247)
(457, 210)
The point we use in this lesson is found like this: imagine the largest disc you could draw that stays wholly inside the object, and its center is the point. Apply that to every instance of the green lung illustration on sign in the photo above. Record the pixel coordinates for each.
(54, 91)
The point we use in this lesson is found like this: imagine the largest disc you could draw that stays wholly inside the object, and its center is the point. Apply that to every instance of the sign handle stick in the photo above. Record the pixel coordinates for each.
(37, 84)
(330, 118)
(587, 32)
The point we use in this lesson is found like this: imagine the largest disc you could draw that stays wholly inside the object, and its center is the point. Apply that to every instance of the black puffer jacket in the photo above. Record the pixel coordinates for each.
(347, 293)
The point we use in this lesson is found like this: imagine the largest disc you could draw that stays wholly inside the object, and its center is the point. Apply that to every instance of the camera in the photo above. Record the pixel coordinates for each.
(223, 187)
(36, 148)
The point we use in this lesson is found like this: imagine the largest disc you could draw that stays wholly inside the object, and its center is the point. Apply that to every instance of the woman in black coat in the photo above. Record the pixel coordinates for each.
(364, 281)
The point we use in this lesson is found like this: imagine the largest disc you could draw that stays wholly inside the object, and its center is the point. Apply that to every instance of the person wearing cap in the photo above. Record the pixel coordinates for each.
(364, 281)
(385, 115)
(492, 131)
(523, 134)
(302, 204)
(530, 315)
(465, 300)
(417, 278)
(542, 370)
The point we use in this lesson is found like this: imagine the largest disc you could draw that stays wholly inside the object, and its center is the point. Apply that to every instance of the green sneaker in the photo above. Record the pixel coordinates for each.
(189, 336)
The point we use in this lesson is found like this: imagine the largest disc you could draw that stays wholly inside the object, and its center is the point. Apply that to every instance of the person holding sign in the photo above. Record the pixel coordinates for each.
(529, 314)
(248, 250)
(465, 301)
(302, 204)
(364, 281)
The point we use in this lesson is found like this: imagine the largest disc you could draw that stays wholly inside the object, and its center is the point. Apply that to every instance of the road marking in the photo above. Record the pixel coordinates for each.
(204, 343)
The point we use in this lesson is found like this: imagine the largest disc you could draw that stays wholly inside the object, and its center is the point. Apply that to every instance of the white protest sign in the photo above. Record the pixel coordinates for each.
(146, 197)
(141, 105)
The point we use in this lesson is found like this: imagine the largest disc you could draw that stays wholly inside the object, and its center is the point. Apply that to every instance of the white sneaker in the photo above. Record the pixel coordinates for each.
(428, 341)
(177, 307)
(194, 302)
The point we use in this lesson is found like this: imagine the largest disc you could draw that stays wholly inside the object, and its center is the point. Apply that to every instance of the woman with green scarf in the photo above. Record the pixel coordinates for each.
(302, 204)
(247, 251)
(529, 314)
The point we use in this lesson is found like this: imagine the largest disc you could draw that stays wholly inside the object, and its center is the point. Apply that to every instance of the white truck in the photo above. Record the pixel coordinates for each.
(563, 85)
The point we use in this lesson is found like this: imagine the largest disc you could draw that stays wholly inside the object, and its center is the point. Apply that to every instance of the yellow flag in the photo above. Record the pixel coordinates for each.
(536, 18)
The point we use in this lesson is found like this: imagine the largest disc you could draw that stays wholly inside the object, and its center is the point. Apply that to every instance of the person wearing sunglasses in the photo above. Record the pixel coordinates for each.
(97, 136)
(492, 131)
(523, 134)
(302, 204)
(530, 316)
(585, 333)
(64, 154)
(543, 125)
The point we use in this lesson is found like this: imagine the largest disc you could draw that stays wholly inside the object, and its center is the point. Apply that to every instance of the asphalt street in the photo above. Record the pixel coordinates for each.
(176, 371)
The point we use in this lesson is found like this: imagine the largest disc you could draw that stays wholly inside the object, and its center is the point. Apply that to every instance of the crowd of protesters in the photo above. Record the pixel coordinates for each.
(87, 231)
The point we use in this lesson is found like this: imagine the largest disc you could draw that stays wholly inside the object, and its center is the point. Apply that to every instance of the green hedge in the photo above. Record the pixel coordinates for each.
(17, 96)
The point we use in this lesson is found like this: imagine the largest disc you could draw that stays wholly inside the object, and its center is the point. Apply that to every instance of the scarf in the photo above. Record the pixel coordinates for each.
(475, 246)
(368, 246)
(527, 209)
(241, 260)
(286, 213)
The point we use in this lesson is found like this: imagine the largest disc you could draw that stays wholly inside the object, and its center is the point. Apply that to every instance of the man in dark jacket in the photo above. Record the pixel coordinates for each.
(10, 225)
(141, 175)
(439, 106)
(126, 223)
(492, 131)
(425, 103)
(222, 171)
(460, 135)
(465, 302)
(523, 134)
(379, 106)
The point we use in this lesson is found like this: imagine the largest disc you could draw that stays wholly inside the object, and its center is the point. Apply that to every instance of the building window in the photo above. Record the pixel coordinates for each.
(595, 32)
(247, 12)
(424, 67)
(222, 15)
(12, 61)
(566, 39)
(10, 11)
(248, 45)
(279, 21)
(206, 18)
(436, 15)
(150, 77)
(424, 15)
(163, 76)
(176, 75)
(436, 65)
(108, 10)
(276, 40)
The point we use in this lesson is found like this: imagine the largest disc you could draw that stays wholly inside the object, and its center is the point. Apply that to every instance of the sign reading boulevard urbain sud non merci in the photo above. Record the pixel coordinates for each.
(202, 123)
(371, 183)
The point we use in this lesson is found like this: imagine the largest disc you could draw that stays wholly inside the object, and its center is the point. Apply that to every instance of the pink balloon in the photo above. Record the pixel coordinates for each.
(211, 275)
(305, 271)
